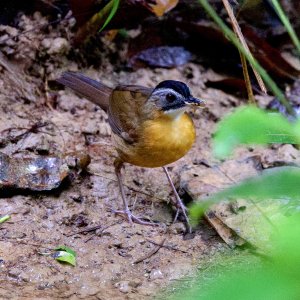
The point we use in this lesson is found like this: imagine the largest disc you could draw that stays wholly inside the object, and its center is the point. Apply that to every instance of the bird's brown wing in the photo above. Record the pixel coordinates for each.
(93, 90)
(127, 109)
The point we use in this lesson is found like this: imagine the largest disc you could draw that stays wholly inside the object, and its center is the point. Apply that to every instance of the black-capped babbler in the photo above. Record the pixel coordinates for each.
(150, 127)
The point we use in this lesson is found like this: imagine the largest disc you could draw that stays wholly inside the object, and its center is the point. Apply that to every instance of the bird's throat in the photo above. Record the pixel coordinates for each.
(175, 114)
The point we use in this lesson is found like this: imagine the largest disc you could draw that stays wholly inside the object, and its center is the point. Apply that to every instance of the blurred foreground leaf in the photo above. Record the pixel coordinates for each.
(275, 278)
(279, 183)
(250, 125)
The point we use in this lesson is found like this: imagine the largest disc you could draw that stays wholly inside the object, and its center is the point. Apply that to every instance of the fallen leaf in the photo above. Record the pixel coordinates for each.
(66, 249)
(227, 234)
(163, 56)
(65, 257)
(163, 6)
(201, 181)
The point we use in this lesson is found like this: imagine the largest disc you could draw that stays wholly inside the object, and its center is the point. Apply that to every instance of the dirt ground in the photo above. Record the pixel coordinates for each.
(114, 261)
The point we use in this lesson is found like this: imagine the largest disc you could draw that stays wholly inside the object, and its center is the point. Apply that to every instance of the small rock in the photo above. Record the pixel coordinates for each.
(14, 273)
(46, 43)
(123, 287)
(76, 197)
(156, 274)
(124, 253)
(177, 228)
(117, 243)
(66, 101)
(39, 143)
(135, 283)
(56, 46)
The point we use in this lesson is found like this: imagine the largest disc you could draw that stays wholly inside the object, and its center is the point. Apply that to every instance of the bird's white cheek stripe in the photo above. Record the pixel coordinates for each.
(163, 91)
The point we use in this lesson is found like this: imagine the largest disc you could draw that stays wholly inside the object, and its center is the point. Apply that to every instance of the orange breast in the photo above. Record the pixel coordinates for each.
(162, 141)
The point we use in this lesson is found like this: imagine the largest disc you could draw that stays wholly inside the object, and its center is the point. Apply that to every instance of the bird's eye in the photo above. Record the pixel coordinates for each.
(170, 97)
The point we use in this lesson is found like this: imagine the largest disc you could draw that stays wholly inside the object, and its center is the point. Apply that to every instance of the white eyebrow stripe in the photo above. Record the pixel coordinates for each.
(162, 91)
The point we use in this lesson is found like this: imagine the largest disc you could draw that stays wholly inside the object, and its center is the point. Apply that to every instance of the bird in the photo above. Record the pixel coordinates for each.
(150, 127)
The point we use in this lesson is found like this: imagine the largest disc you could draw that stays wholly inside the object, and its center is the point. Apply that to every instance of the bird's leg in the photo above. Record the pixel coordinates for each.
(118, 166)
(131, 218)
(178, 203)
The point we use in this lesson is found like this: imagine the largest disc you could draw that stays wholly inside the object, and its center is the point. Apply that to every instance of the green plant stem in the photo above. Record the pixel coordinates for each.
(237, 30)
(231, 36)
(113, 7)
(251, 98)
(287, 24)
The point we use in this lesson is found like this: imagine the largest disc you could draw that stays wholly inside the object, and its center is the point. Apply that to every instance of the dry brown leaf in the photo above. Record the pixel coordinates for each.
(200, 181)
(227, 234)
(111, 34)
(163, 6)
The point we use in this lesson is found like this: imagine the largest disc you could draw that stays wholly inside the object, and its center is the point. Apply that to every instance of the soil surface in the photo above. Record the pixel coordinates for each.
(116, 260)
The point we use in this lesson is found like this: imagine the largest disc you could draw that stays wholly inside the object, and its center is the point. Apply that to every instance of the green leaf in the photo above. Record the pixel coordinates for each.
(4, 218)
(113, 6)
(65, 254)
(67, 249)
(66, 257)
(250, 125)
(279, 183)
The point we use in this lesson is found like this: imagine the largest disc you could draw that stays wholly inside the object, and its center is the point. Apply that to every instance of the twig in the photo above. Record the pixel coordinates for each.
(23, 243)
(87, 240)
(47, 98)
(239, 34)
(154, 251)
(166, 246)
(90, 229)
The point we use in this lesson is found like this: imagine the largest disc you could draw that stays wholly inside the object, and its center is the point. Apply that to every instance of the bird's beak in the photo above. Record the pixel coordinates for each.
(195, 102)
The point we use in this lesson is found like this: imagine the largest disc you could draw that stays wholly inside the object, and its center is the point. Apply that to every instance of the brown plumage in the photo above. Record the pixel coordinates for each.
(149, 126)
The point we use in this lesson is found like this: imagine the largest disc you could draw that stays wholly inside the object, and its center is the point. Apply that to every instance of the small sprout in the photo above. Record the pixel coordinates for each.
(4, 219)
(65, 254)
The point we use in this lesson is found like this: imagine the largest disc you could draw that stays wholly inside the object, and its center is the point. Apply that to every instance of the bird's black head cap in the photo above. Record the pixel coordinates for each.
(172, 97)
(177, 86)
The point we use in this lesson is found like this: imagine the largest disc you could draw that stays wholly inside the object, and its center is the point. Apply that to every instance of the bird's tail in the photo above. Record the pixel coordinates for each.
(92, 90)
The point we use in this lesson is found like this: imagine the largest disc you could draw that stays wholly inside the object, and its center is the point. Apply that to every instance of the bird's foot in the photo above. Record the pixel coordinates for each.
(182, 209)
(133, 219)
